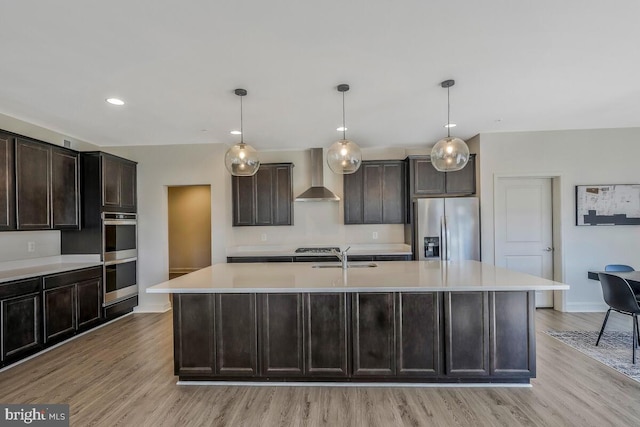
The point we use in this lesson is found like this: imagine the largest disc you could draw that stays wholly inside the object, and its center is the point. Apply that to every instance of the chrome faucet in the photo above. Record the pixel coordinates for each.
(342, 256)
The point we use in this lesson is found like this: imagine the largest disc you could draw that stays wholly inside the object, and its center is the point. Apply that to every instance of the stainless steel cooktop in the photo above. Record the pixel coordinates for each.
(323, 250)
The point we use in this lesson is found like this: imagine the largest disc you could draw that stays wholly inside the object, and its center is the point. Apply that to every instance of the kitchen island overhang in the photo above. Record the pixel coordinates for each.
(402, 321)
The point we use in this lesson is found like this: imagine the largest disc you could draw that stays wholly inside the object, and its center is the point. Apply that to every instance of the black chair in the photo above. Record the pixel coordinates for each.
(620, 297)
(620, 268)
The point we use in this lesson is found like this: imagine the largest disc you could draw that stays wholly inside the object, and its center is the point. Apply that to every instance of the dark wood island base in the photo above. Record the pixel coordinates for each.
(356, 337)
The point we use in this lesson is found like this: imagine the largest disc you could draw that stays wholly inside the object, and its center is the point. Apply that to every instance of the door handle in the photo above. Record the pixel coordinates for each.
(548, 249)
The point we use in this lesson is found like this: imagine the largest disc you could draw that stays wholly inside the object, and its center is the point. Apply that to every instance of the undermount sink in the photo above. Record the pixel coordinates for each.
(349, 265)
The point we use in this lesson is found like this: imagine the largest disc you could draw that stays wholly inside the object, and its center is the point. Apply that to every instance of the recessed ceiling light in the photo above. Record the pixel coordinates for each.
(341, 129)
(115, 101)
(235, 132)
(450, 125)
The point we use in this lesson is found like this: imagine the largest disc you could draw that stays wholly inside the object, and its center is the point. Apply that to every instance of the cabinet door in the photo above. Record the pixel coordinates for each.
(243, 189)
(353, 194)
(418, 334)
(282, 334)
(236, 337)
(264, 196)
(33, 182)
(20, 325)
(426, 179)
(128, 186)
(372, 175)
(326, 349)
(65, 190)
(464, 180)
(512, 330)
(466, 333)
(393, 193)
(59, 312)
(194, 338)
(111, 181)
(7, 185)
(373, 334)
(282, 196)
(89, 302)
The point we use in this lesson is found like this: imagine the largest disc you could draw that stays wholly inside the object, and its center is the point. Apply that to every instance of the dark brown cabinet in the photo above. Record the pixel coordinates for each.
(265, 198)
(375, 193)
(72, 302)
(47, 186)
(418, 328)
(466, 336)
(20, 324)
(282, 337)
(7, 183)
(194, 347)
(373, 317)
(426, 181)
(236, 335)
(118, 184)
(326, 335)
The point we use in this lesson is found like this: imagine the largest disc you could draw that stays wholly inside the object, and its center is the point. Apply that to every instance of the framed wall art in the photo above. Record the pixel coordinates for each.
(613, 204)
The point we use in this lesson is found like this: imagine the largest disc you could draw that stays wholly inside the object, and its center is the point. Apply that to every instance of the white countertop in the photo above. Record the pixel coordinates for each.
(24, 269)
(290, 250)
(388, 276)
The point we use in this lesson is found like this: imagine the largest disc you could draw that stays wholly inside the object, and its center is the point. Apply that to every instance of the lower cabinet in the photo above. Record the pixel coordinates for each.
(72, 302)
(369, 336)
(20, 323)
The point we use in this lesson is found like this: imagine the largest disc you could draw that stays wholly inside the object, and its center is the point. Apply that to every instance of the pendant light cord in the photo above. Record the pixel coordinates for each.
(448, 115)
(241, 128)
(344, 126)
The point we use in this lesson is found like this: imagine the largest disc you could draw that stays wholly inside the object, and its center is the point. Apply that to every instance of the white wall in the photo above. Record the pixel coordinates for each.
(603, 156)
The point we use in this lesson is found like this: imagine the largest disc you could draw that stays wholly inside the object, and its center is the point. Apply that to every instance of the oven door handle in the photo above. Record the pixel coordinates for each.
(120, 222)
(120, 261)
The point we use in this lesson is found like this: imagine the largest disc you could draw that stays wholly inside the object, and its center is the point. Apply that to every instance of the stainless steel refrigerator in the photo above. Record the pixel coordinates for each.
(447, 229)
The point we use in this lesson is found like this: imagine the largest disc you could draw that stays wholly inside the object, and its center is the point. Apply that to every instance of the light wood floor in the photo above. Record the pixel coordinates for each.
(121, 375)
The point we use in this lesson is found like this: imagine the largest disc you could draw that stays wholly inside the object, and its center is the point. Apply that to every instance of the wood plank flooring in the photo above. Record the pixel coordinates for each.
(122, 375)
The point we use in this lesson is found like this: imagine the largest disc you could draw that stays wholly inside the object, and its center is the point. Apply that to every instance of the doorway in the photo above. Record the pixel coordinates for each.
(189, 228)
(523, 228)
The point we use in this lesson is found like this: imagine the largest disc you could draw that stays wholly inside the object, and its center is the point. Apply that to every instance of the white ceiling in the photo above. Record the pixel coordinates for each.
(518, 66)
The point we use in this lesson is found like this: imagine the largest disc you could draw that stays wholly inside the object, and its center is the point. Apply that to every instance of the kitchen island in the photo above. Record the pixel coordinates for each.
(397, 321)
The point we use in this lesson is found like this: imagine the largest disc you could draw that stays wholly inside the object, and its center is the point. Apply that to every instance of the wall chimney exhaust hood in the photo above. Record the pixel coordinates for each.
(317, 192)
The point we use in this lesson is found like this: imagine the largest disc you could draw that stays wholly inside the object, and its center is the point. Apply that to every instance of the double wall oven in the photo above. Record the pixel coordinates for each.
(120, 256)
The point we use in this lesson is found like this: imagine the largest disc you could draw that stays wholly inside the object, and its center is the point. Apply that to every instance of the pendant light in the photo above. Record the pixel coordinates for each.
(344, 156)
(449, 154)
(241, 159)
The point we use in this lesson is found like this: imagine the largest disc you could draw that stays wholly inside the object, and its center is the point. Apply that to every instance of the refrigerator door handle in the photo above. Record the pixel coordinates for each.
(444, 242)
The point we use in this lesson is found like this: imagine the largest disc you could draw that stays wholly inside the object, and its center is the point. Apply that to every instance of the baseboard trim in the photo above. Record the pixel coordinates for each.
(585, 307)
(347, 384)
(153, 308)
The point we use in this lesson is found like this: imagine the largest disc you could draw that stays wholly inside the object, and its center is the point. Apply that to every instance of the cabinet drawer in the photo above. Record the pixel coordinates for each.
(22, 287)
(74, 276)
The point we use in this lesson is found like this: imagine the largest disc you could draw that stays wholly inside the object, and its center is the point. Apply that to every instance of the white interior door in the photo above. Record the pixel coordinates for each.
(523, 229)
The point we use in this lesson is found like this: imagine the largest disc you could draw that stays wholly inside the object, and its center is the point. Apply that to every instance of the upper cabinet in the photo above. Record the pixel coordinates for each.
(118, 184)
(7, 184)
(375, 193)
(47, 190)
(265, 198)
(426, 181)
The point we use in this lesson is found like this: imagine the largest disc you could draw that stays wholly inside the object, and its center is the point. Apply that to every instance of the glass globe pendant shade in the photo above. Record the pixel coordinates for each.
(242, 160)
(449, 154)
(344, 157)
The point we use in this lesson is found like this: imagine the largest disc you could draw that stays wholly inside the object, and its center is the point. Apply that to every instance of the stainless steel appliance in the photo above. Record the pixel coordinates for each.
(447, 229)
(321, 250)
(120, 255)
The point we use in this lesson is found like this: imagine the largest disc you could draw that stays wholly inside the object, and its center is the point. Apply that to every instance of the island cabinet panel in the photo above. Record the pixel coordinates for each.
(7, 185)
(194, 339)
(326, 334)
(466, 319)
(236, 335)
(373, 318)
(418, 334)
(20, 325)
(33, 185)
(512, 318)
(282, 337)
